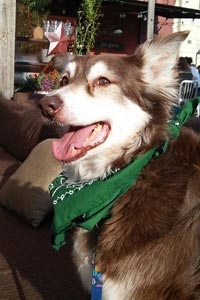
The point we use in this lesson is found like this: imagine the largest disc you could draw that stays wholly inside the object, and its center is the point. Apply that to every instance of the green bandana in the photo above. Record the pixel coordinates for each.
(85, 204)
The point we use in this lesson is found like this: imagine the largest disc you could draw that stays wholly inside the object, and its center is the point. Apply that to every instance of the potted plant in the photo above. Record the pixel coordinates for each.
(87, 25)
(40, 83)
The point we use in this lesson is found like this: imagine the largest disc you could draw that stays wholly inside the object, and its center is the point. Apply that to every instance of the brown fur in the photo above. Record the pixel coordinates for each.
(154, 228)
(149, 247)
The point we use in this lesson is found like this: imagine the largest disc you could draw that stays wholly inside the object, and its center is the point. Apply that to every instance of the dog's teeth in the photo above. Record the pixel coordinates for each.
(96, 129)
(99, 127)
(73, 150)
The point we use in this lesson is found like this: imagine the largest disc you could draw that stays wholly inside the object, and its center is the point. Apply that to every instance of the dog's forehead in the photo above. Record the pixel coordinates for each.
(71, 68)
(98, 69)
(92, 68)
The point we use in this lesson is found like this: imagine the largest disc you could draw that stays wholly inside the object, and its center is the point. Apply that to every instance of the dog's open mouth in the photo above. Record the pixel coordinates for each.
(79, 140)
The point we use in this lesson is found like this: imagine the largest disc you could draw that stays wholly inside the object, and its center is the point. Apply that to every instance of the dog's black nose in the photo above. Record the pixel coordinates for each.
(51, 105)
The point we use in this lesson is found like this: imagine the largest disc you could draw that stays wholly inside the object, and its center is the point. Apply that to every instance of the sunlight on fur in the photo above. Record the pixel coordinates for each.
(117, 109)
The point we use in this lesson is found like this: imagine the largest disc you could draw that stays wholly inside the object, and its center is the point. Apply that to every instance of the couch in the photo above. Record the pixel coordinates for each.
(30, 269)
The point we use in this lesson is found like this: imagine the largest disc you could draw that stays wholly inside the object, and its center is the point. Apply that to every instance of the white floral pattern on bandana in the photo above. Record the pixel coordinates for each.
(60, 189)
(61, 181)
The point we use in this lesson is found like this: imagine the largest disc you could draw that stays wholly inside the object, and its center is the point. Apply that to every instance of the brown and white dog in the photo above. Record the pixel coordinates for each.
(118, 107)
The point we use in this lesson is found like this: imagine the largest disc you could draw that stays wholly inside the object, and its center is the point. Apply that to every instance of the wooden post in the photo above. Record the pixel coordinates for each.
(7, 47)
(150, 19)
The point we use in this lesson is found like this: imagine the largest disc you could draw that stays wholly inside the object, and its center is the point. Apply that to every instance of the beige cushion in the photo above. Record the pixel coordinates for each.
(26, 191)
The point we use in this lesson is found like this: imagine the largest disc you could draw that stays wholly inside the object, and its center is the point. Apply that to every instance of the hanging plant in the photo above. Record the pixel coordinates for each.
(88, 15)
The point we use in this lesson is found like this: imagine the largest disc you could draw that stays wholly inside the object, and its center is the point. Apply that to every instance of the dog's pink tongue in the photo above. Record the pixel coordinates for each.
(75, 144)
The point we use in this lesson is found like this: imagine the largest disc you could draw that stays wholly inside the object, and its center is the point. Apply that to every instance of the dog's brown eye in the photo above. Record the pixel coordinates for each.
(64, 81)
(103, 81)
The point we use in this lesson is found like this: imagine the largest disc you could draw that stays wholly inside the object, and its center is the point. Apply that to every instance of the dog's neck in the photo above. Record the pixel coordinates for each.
(85, 170)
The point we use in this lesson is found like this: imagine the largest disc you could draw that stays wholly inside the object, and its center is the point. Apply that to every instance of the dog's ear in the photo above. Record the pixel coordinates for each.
(60, 61)
(158, 58)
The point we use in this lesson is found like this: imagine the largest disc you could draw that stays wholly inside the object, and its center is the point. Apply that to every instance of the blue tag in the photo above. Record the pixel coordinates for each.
(97, 282)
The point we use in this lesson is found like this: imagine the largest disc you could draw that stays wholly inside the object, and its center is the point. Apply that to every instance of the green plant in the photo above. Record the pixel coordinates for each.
(88, 15)
(36, 19)
(39, 9)
(39, 6)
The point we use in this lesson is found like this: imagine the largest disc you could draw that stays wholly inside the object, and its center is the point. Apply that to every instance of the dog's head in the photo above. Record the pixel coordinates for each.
(117, 106)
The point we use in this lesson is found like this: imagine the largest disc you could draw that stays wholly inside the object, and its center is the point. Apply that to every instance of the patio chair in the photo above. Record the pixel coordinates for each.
(188, 90)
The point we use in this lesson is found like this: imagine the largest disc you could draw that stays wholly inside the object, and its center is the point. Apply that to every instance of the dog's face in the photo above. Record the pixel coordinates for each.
(117, 106)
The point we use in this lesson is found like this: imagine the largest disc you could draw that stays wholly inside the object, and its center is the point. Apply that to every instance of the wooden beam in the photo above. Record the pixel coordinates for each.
(150, 19)
(7, 47)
